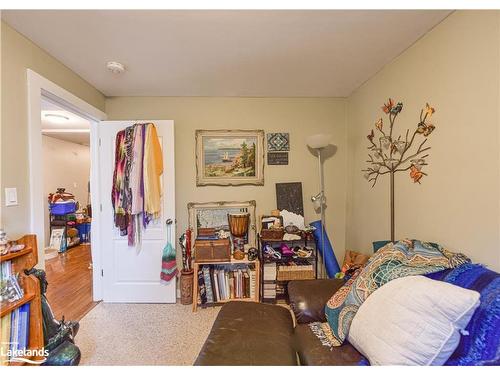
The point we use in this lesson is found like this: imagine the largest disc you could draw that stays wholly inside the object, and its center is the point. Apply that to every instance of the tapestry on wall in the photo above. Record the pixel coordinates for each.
(278, 142)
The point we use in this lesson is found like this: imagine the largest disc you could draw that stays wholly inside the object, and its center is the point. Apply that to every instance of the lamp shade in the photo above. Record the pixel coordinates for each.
(319, 140)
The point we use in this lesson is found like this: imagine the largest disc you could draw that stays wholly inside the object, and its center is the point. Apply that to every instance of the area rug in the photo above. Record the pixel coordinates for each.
(143, 334)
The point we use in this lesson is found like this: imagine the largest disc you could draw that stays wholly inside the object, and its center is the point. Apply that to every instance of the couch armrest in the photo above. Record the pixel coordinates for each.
(308, 298)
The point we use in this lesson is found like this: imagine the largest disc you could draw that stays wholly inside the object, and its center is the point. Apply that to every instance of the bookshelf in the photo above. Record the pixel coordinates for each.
(233, 262)
(20, 261)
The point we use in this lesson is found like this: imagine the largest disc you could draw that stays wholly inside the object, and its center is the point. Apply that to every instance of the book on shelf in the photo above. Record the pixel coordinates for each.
(15, 331)
(269, 290)
(269, 271)
(201, 286)
(220, 283)
(253, 283)
(208, 284)
(246, 283)
(5, 337)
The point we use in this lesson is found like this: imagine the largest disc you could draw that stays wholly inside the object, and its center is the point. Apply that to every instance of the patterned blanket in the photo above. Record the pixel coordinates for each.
(404, 258)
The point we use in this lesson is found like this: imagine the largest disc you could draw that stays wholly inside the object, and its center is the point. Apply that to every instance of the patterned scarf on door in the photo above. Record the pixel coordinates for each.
(117, 192)
(136, 190)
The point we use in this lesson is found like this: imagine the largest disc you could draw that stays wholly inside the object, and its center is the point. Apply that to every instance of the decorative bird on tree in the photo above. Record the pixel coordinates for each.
(388, 154)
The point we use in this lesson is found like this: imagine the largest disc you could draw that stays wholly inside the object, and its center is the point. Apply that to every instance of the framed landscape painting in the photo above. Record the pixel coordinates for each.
(229, 157)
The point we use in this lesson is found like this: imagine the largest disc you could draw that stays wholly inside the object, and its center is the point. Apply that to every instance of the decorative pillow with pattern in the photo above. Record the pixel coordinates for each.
(404, 258)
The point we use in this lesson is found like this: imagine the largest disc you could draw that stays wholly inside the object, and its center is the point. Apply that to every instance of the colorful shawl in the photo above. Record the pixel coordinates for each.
(153, 169)
(118, 188)
(404, 258)
(136, 190)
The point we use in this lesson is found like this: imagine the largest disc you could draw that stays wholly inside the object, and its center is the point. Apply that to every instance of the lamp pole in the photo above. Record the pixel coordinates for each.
(322, 212)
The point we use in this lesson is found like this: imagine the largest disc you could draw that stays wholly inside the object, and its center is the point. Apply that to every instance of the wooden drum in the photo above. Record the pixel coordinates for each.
(238, 224)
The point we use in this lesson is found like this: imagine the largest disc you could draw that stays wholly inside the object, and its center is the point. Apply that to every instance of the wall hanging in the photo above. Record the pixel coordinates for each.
(278, 142)
(136, 191)
(390, 154)
(229, 157)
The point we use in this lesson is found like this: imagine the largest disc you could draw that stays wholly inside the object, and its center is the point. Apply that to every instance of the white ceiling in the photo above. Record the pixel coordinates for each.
(75, 129)
(225, 53)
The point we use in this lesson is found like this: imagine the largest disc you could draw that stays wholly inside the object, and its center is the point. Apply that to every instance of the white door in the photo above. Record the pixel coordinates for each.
(129, 275)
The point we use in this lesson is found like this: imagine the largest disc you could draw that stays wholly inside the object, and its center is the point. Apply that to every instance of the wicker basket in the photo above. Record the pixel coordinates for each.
(272, 234)
(295, 272)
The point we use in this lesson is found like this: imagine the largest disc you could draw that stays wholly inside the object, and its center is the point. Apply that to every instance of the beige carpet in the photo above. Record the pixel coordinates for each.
(143, 334)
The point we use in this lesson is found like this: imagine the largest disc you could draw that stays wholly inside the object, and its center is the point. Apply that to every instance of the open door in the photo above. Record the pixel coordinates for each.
(129, 275)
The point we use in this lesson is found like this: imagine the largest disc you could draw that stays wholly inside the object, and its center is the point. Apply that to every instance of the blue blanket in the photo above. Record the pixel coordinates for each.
(482, 345)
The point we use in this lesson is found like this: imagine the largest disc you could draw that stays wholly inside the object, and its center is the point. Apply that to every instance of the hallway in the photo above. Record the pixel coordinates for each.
(70, 283)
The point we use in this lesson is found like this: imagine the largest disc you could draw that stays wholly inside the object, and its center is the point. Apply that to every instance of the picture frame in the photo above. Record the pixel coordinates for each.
(214, 215)
(229, 157)
(270, 221)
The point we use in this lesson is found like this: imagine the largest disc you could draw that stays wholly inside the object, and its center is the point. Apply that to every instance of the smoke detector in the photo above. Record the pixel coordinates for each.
(115, 67)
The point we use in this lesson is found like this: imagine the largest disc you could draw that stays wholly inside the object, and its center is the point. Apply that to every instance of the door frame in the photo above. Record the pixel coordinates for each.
(40, 88)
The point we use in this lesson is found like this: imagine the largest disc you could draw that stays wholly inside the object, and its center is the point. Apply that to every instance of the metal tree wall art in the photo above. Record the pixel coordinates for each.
(388, 154)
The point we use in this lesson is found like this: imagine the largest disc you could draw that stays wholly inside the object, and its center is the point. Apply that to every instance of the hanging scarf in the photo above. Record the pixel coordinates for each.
(117, 192)
(153, 169)
(136, 190)
(135, 184)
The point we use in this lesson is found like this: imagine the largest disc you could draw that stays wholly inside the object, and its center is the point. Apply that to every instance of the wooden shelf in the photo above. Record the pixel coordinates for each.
(16, 254)
(282, 240)
(10, 306)
(196, 267)
(211, 304)
(232, 261)
(22, 260)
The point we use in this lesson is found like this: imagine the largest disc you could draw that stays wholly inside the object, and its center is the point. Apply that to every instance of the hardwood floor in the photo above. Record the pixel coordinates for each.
(70, 283)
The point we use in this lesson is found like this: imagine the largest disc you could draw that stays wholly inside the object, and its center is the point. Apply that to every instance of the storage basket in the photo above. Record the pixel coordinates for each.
(271, 234)
(216, 250)
(62, 208)
(295, 272)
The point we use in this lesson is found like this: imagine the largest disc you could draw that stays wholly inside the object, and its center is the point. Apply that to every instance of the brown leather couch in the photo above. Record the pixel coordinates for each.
(250, 333)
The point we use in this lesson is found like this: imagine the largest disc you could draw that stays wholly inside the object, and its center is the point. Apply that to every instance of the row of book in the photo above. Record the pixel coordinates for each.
(10, 290)
(14, 333)
(218, 283)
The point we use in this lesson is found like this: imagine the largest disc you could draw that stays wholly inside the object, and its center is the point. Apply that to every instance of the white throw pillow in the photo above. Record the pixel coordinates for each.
(412, 321)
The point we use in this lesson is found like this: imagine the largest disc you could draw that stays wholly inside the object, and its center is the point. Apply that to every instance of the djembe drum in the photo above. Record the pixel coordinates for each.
(238, 226)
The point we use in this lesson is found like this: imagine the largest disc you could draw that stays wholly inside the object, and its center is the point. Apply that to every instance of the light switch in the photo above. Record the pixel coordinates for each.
(11, 197)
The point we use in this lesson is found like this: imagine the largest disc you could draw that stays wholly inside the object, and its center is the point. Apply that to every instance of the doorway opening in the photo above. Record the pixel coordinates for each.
(44, 95)
(68, 210)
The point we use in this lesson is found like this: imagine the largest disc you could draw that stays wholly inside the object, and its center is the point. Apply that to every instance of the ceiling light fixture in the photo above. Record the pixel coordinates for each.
(54, 117)
(115, 67)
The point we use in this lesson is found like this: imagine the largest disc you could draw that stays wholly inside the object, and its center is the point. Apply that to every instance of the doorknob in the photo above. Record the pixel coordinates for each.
(169, 221)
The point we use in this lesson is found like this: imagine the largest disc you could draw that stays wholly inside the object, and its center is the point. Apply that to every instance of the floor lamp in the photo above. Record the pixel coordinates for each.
(318, 142)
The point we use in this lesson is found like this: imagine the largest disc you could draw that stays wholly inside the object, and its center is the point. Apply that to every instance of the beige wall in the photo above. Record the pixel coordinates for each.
(299, 117)
(66, 165)
(17, 55)
(455, 68)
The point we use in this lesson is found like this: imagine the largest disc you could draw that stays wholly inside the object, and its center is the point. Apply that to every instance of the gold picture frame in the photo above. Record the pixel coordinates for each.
(229, 157)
